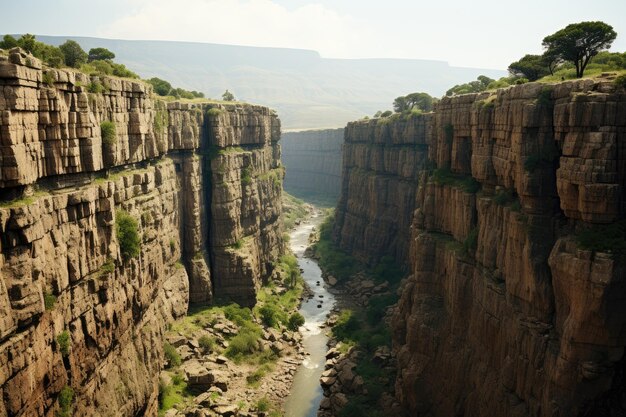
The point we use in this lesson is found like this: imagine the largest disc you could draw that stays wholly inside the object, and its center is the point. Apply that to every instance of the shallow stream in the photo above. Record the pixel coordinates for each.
(306, 392)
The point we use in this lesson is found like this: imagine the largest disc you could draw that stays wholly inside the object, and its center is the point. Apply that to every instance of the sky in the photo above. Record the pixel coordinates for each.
(467, 33)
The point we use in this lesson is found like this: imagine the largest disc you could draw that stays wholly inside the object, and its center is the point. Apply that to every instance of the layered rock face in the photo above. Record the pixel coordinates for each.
(381, 163)
(503, 314)
(312, 160)
(75, 311)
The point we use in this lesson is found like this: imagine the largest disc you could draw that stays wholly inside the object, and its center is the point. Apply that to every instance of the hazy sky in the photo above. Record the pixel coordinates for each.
(471, 33)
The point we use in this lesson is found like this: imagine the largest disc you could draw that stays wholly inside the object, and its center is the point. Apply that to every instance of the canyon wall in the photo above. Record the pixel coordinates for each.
(78, 311)
(312, 160)
(503, 313)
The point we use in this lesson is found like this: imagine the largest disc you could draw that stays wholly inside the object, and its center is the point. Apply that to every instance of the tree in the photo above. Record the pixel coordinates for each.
(421, 101)
(161, 87)
(579, 42)
(73, 53)
(27, 42)
(100, 54)
(228, 96)
(532, 67)
(552, 60)
(8, 42)
(400, 104)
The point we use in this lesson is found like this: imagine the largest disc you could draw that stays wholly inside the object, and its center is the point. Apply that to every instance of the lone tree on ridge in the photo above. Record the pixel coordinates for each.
(579, 42)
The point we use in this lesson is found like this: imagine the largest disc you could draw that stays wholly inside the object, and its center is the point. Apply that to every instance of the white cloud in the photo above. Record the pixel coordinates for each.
(243, 22)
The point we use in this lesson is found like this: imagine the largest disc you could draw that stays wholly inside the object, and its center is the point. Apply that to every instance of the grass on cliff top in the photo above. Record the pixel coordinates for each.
(592, 71)
(23, 201)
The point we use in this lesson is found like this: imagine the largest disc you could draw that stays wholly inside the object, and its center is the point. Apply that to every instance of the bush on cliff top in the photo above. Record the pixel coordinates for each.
(610, 238)
(127, 229)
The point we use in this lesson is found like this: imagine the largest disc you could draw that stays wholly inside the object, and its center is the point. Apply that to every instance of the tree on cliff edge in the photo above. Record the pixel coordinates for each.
(228, 96)
(579, 42)
(74, 54)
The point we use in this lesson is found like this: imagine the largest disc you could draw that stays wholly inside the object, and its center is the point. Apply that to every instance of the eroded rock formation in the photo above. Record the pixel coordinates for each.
(312, 160)
(503, 313)
(74, 311)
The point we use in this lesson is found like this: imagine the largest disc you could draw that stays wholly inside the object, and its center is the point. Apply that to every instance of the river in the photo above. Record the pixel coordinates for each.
(306, 391)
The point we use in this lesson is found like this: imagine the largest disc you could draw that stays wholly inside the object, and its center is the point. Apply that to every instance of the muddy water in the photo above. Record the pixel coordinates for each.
(306, 392)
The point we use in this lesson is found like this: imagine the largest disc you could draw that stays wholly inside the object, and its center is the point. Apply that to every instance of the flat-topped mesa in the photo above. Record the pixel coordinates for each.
(503, 308)
(312, 159)
(80, 309)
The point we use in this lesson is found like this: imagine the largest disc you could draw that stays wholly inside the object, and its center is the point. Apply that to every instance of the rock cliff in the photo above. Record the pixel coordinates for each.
(79, 153)
(503, 313)
(312, 160)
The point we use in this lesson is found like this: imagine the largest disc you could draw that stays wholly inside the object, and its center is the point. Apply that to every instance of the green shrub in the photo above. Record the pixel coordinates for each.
(206, 343)
(172, 245)
(95, 87)
(263, 405)
(377, 307)
(213, 112)
(295, 321)
(244, 343)
(107, 130)
(254, 378)
(238, 244)
(347, 327)
(246, 176)
(237, 314)
(387, 270)
(108, 267)
(63, 339)
(48, 79)
(610, 238)
(127, 229)
(470, 185)
(172, 356)
(65, 399)
(504, 197)
(49, 300)
(271, 315)
(620, 81)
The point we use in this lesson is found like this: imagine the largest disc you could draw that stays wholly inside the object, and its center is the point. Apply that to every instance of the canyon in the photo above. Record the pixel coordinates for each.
(313, 161)
(483, 201)
(202, 183)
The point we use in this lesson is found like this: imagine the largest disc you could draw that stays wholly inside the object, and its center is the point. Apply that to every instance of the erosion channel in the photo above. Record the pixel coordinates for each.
(306, 392)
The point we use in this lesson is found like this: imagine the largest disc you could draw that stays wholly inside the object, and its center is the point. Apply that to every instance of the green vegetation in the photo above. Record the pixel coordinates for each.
(579, 42)
(108, 132)
(107, 67)
(255, 378)
(100, 54)
(171, 355)
(228, 96)
(444, 176)
(49, 54)
(293, 210)
(295, 321)
(73, 53)
(63, 339)
(246, 342)
(331, 258)
(531, 67)
(610, 238)
(621, 81)
(95, 87)
(48, 78)
(471, 241)
(481, 84)
(414, 101)
(271, 315)
(246, 175)
(172, 394)
(206, 343)
(108, 267)
(213, 112)
(65, 399)
(127, 231)
(161, 121)
(49, 300)
(165, 89)
(263, 405)
(238, 244)
(504, 197)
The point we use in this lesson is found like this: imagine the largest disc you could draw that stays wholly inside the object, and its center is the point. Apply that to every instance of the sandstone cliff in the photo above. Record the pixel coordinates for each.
(312, 159)
(503, 313)
(75, 313)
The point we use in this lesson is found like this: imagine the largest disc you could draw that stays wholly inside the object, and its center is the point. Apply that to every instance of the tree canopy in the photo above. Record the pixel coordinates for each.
(481, 84)
(532, 67)
(74, 54)
(100, 54)
(579, 42)
(420, 101)
(228, 96)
